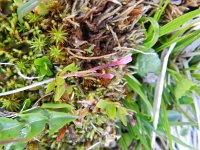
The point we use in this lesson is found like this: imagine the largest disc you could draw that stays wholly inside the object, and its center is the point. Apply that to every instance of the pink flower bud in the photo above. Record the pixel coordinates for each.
(105, 76)
(130, 114)
(124, 60)
(133, 122)
(132, 119)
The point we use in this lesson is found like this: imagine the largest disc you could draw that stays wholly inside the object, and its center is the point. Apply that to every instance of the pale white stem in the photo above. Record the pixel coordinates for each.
(27, 87)
(19, 72)
(96, 128)
(78, 74)
(122, 61)
(135, 50)
(158, 93)
(93, 146)
(145, 53)
(115, 1)
(191, 54)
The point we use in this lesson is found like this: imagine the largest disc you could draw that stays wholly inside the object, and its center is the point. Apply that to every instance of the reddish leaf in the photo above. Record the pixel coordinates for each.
(61, 134)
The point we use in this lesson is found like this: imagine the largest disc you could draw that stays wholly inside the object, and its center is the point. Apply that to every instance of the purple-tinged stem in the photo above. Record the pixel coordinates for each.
(122, 61)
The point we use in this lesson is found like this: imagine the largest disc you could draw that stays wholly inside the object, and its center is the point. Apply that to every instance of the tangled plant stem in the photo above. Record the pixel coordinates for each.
(90, 58)
(91, 72)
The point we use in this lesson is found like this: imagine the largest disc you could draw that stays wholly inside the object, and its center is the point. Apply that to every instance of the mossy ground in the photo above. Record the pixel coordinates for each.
(56, 38)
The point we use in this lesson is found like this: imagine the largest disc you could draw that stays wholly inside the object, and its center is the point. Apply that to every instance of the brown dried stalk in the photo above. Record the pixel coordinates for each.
(90, 58)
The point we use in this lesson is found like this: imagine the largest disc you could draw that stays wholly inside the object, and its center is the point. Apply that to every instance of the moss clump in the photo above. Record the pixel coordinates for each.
(58, 33)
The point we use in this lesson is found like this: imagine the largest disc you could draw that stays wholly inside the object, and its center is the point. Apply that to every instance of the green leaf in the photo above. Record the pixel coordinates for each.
(31, 124)
(135, 86)
(183, 143)
(50, 87)
(185, 114)
(145, 117)
(32, 110)
(56, 106)
(130, 104)
(35, 123)
(43, 66)
(195, 60)
(131, 132)
(122, 114)
(109, 107)
(15, 146)
(42, 61)
(71, 68)
(69, 90)
(9, 128)
(153, 35)
(59, 80)
(140, 134)
(166, 124)
(174, 24)
(102, 104)
(122, 143)
(186, 100)
(111, 111)
(183, 85)
(177, 123)
(26, 104)
(58, 120)
(25, 8)
(125, 141)
(148, 64)
(60, 90)
(175, 139)
(181, 31)
(161, 9)
(187, 41)
(178, 39)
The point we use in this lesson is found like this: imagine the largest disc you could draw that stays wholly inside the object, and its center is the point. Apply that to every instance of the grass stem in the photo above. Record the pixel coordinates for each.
(159, 91)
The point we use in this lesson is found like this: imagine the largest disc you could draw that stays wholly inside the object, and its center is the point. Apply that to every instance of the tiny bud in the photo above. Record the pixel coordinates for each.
(105, 76)
(124, 60)
(130, 114)
(133, 122)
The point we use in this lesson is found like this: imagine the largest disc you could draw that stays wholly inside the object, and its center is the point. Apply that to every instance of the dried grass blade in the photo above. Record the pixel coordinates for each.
(158, 93)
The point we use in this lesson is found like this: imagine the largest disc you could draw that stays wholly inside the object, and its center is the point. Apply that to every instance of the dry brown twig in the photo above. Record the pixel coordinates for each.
(90, 58)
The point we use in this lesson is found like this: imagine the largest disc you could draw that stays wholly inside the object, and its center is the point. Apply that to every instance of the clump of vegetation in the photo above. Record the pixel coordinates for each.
(98, 74)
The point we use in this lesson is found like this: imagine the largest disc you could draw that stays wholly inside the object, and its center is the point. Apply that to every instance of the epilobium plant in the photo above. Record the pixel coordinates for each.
(73, 45)
(122, 61)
